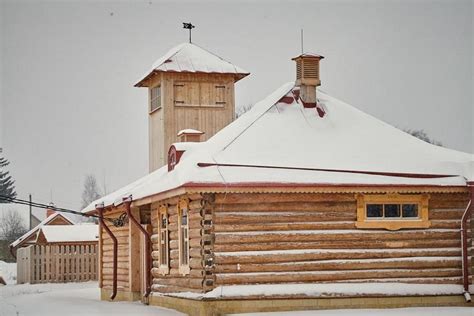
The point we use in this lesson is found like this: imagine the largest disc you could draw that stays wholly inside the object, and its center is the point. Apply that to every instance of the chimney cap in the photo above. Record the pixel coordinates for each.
(189, 131)
(308, 55)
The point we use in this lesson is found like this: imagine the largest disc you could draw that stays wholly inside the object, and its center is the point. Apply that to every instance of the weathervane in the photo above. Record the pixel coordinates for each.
(188, 26)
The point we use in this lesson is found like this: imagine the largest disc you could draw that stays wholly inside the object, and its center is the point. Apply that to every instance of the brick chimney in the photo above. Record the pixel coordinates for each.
(50, 210)
(307, 76)
(190, 135)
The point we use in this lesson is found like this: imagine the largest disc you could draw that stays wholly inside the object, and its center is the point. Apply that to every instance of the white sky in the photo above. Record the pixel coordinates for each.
(68, 106)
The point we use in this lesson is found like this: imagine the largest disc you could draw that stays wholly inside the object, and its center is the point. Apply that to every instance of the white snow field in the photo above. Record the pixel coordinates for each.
(83, 299)
(8, 272)
(67, 300)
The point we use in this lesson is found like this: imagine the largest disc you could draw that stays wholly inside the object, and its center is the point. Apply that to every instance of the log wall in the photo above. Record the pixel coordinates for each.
(282, 238)
(106, 254)
(200, 209)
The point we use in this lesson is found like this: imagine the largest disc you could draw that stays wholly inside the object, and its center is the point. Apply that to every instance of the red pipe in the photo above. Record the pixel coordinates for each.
(377, 173)
(100, 210)
(465, 255)
(127, 202)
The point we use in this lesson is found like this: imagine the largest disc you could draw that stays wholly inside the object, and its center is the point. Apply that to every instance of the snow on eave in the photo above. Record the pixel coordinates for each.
(66, 233)
(34, 230)
(200, 53)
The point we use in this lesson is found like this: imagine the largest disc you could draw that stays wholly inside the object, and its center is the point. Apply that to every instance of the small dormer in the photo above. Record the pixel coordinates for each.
(307, 76)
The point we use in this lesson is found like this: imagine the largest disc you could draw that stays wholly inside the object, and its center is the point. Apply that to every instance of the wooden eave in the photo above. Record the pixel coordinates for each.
(263, 187)
(144, 81)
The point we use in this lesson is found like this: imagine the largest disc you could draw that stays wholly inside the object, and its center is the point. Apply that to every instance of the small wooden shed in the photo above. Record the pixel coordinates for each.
(303, 202)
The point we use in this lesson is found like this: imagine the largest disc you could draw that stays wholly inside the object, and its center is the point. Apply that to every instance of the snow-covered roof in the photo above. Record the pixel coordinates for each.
(189, 57)
(71, 233)
(280, 142)
(34, 230)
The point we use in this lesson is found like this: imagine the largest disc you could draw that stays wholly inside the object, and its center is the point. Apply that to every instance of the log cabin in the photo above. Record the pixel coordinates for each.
(303, 202)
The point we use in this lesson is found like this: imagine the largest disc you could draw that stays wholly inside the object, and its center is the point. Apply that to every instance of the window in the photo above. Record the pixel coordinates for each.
(220, 94)
(163, 239)
(183, 222)
(155, 98)
(199, 94)
(392, 211)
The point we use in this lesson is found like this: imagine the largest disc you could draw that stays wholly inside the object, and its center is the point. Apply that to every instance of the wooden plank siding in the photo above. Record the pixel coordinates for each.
(203, 110)
(284, 238)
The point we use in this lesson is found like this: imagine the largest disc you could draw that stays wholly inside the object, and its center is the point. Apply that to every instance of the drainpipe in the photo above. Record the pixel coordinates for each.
(100, 210)
(127, 202)
(12, 252)
(465, 256)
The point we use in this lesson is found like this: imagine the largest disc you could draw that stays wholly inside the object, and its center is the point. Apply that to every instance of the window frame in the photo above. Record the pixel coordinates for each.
(211, 89)
(183, 237)
(163, 246)
(392, 223)
(158, 97)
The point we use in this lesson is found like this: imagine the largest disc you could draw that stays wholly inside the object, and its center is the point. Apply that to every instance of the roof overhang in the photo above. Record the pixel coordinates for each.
(144, 81)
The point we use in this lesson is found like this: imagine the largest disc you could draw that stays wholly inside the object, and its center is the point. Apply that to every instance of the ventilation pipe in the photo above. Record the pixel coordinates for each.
(127, 203)
(465, 255)
(100, 210)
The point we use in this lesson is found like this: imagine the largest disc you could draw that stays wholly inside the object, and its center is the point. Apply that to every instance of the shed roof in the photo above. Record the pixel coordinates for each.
(191, 58)
(281, 142)
(74, 233)
(34, 230)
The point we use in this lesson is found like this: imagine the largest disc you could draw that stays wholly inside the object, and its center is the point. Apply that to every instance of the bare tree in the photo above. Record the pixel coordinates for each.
(91, 190)
(11, 226)
(421, 134)
(241, 110)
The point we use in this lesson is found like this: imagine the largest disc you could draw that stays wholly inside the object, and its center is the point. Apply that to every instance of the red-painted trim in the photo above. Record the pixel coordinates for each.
(465, 255)
(377, 173)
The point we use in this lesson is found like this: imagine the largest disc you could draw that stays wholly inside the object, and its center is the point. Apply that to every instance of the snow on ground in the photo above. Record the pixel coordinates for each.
(415, 311)
(8, 271)
(68, 299)
(83, 299)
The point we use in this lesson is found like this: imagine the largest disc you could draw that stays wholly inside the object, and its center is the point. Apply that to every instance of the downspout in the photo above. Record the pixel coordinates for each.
(127, 202)
(100, 210)
(465, 256)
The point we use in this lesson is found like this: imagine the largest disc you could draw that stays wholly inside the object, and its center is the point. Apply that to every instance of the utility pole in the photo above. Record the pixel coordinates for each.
(31, 209)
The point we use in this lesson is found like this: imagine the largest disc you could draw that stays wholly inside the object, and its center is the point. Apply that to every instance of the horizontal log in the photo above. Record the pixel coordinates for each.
(109, 258)
(295, 206)
(374, 244)
(188, 282)
(173, 289)
(432, 280)
(120, 253)
(155, 272)
(435, 204)
(447, 224)
(281, 198)
(108, 283)
(121, 264)
(221, 238)
(253, 278)
(120, 240)
(250, 218)
(193, 233)
(120, 277)
(446, 214)
(222, 258)
(339, 265)
(194, 263)
(283, 226)
(111, 247)
(120, 271)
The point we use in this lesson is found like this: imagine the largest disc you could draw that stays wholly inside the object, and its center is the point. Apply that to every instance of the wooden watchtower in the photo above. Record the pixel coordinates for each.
(188, 88)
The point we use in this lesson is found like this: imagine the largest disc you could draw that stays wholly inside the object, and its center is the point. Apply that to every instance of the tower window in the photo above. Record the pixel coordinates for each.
(220, 94)
(155, 98)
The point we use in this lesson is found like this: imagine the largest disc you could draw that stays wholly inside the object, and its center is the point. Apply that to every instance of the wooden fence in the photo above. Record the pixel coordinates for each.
(57, 263)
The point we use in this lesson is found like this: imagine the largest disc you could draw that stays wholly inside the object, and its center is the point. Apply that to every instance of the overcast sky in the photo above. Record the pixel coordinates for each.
(68, 106)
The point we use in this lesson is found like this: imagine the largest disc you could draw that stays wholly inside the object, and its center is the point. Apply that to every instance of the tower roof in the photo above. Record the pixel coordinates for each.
(191, 58)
